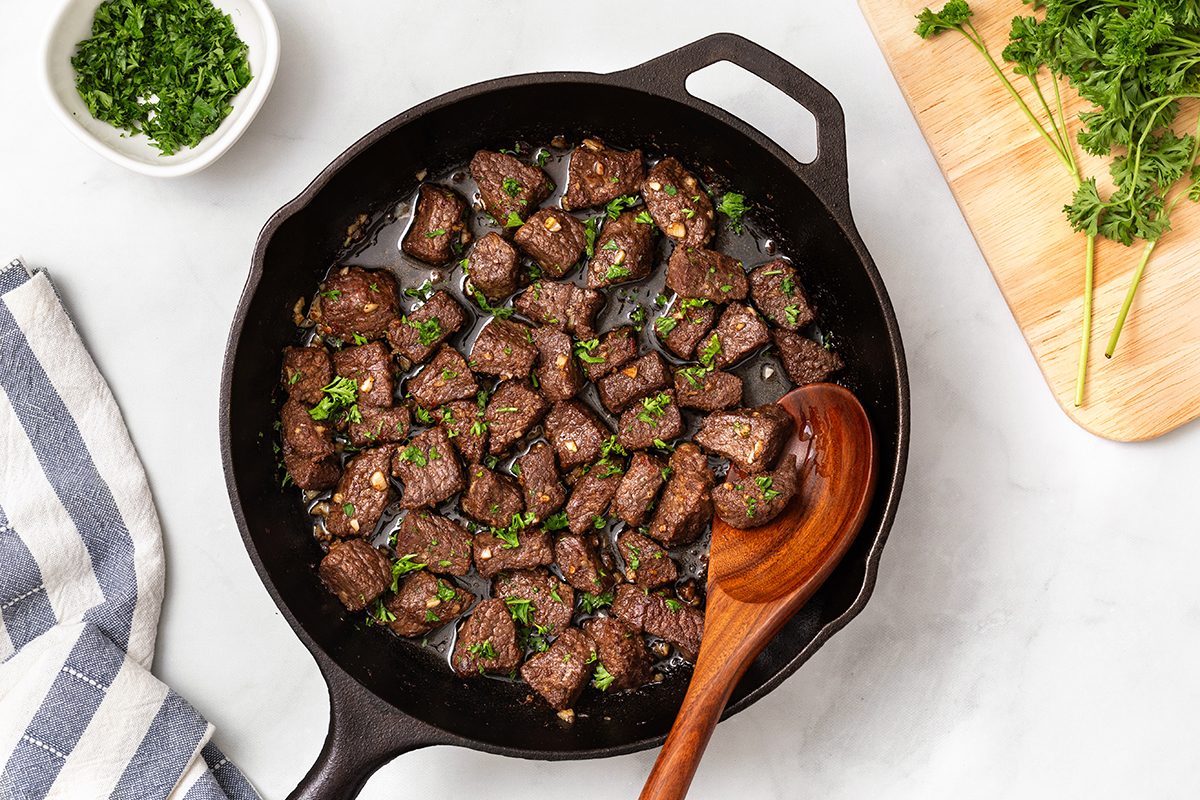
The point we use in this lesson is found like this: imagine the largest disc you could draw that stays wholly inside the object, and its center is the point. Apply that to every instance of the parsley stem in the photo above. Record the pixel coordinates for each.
(1089, 277)
(1133, 286)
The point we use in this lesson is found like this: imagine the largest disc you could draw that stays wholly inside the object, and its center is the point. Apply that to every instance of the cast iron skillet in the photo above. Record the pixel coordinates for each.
(389, 696)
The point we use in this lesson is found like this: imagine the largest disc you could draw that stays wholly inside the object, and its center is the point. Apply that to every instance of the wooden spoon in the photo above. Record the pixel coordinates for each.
(759, 578)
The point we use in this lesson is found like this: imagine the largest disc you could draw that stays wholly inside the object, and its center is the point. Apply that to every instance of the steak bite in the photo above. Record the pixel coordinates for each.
(804, 360)
(544, 492)
(739, 332)
(558, 372)
(361, 495)
(751, 500)
(643, 377)
(646, 563)
(678, 203)
(751, 438)
(429, 470)
(356, 572)
(590, 497)
(554, 239)
(435, 235)
(605, 354)
(551, 602)
(512, 412)
(579, 562)
(441, 544)
(707, 391)
(491, 498)
(685, 508)
(655, 418)
(624, 252)
(685, 325)
(416, 335)
(561, 305)
(308, 452)
(370, 367)
(621, 651)
(777, 293)
(492, 266)
(519, 548)
(447, 377)
(306, 371)
(355, 301)
(508, 186)
(667, 618)
(638, 489)
(487, 642)
(379, 426)
(463, 423)
(575, 433)
(504, 348)
(560, 673)
(423, 603)
(706, 274)
(596, 175)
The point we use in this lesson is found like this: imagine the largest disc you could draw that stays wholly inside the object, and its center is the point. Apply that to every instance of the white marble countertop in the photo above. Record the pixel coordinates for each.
(1034, 628)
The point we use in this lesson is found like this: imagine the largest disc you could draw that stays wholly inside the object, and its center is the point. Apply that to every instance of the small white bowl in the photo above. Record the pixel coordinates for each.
(73, 23)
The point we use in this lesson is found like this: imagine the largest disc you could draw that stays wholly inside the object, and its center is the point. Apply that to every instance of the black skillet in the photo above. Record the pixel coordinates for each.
(389, 696)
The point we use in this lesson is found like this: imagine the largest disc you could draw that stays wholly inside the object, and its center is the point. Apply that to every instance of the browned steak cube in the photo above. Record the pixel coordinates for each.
(682, 328)
(804, 360)
(435, 234)
(306, 370)
(554, 239)
(356, 572)
(603, 355)
(508, 186)
(355, 301)
(313, 474)
(561, 305)
(447, 377)
(575, 433)
(361, 495)
(369, 366)
(749, 437)
(308, 452)
(504, 348)
(521, 549)
(429, 470)
(638, 379)
(624, 251)
(379, 426)
(550, 601)
(492, 266)
(559, 375)
(463, 423)
(596, 175)
(653, 419)
(777, 293)
(622, 653)
(739, 332)
(639, 487)
(544, 492)
(707, 391)
(416, 335)
(706, 274)
(754, 499)
(423, 603)
(441, 544)
(665, 617)
(560, 673)
(487, 642)
(590, 497)
(491, 498)
(685, 508)
(579, 562)
(512, 412)
(646, 563)
(678, 203)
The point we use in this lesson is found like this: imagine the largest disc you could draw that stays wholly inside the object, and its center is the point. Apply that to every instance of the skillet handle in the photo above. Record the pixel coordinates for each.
(668, 74)
(364, 734)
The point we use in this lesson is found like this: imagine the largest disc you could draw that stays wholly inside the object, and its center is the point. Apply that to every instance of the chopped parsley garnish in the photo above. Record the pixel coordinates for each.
(541, 157)
(478, 428)
(654, 407)
(431, 616)
(708, 353)
(792, 313)
(484, 649)
(331, 294)
(435, 233)
(692, 304)
(733, 205)
(602, 678)
(644, 218)
(445, 593)
(423, 416)
(764, 484)
(619, 204)
(589, 233)
(584, 348)
(670, 189)
(428, 332)
(520, 609)
(514, 220)
(423, 291)
(380, 615)
(673, 604)
(348, 509)
(556, 522)
(665, 325)
(402, 566)
(413, 454)
(511, 187)
(616, 273)
(589, 603)
(359, 338)
(295, 377)
(341, 396)
(611, 244)
(787, 285)
(487, 308)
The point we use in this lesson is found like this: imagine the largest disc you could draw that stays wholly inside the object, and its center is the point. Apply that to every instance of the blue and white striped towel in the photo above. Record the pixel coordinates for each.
(81, 583)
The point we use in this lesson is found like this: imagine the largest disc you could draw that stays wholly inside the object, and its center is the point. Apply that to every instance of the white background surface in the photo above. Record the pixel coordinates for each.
(1034, 629)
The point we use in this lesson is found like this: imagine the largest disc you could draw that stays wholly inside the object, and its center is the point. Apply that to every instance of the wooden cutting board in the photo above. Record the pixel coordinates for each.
(1011, 188)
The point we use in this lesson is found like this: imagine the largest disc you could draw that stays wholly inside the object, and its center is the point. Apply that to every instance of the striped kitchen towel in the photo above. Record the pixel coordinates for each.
(81, 583)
